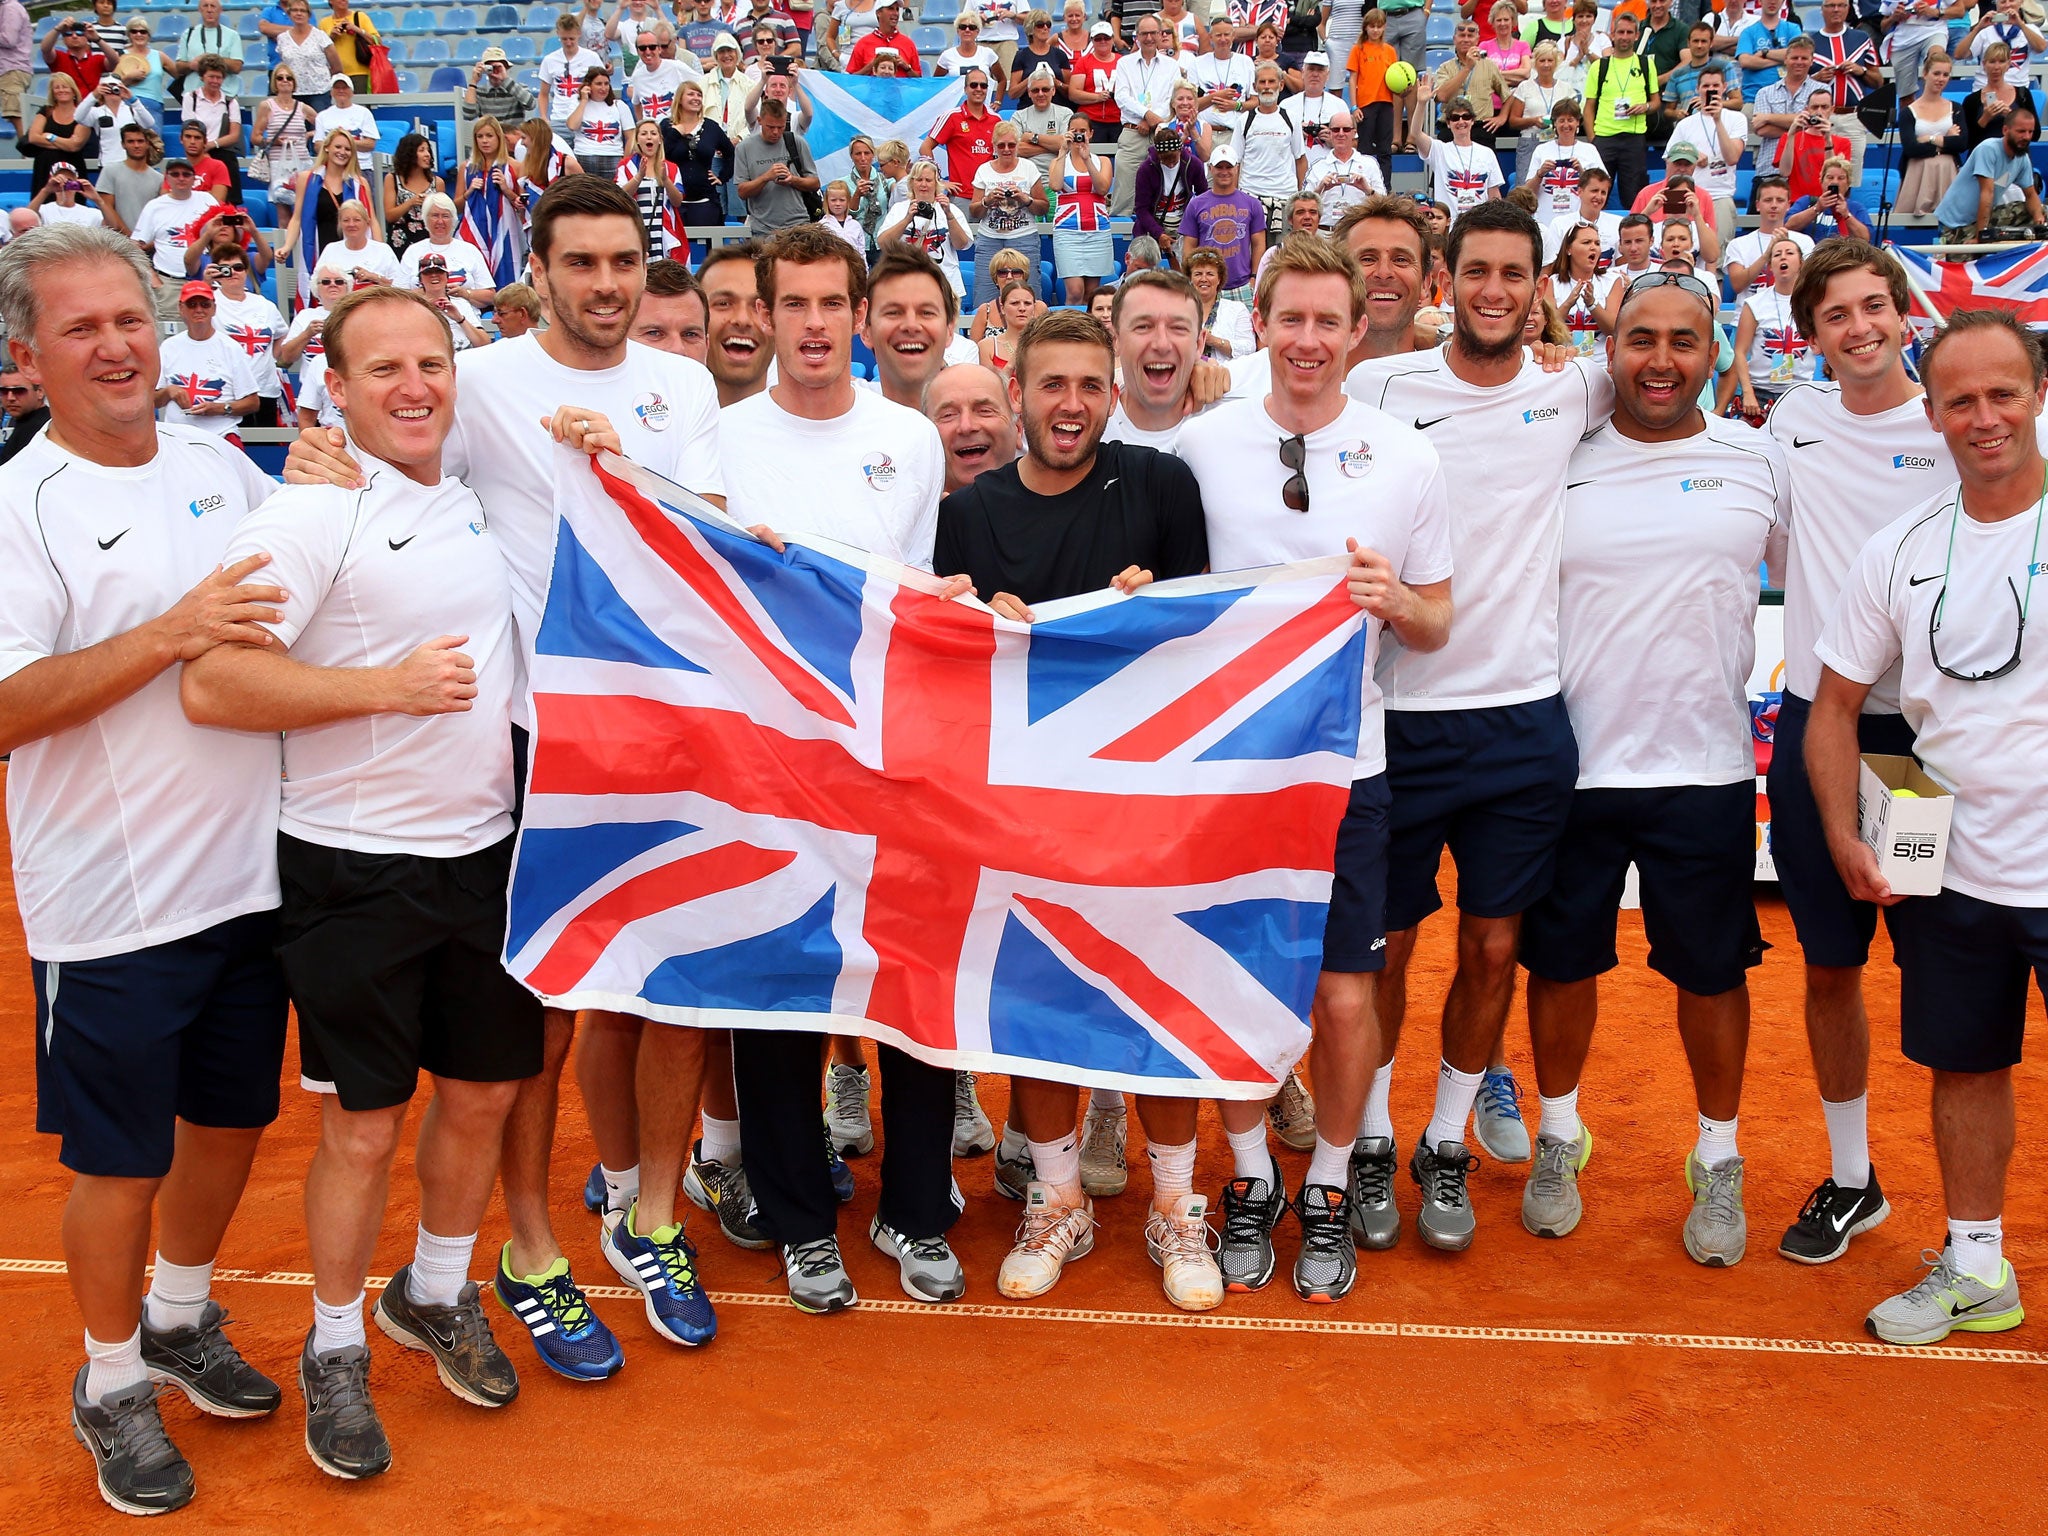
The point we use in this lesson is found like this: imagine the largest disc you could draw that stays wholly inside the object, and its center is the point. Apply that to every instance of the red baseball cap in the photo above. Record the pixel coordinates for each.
(195, 289)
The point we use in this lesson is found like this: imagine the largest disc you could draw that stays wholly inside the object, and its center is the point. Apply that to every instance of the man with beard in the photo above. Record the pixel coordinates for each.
(1667, 512)
(911, 313)
(970, 405)
(589, 259)
(736, 345)
(1480, 756)
(1073, 515)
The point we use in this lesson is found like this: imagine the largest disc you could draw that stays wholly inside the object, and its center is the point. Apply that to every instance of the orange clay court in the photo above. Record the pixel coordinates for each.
(1601, 1383)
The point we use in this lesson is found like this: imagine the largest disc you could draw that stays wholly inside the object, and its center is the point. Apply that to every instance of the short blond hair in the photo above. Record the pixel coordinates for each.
(1310, 256)
(1837, 160)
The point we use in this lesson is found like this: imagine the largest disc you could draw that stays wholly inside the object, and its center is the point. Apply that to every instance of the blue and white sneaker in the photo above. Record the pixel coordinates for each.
(594, 1191)
(842, 1174)
(570, 1339)
(662, 1267)
(1497, 1117)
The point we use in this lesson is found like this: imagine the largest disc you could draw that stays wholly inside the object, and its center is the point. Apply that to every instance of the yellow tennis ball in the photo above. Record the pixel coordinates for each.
(1400, 79)
(1905, 794)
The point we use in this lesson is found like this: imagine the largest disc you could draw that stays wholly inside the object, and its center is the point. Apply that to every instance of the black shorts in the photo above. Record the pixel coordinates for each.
(393, 963)
(1355, 932)
(1834, 928)
(522, 746)
(1496, 786)
(1963, 966)
(128, 1045)
(1695, 849)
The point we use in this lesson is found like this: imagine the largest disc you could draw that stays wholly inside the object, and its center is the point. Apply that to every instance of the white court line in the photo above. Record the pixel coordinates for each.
(1231, 1322)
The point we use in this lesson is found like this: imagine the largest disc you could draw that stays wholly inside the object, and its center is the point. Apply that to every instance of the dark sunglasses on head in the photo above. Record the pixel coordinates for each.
(1680, 280)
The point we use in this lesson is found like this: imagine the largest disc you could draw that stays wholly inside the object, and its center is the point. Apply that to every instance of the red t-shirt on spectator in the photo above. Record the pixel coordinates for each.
(84, 69)
(968, 139)
(208, 173)
(1093, 74)
(907, 61)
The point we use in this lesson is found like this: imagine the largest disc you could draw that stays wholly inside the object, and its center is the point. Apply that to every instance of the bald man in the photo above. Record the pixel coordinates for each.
(970, 406)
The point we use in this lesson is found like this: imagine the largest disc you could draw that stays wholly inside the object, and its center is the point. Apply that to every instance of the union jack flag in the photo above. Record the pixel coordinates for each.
(1782, 341)
(252, 339)
(600, 130)
(2015, 278)
(1465, 186)
(1256, 13)
(800, 791)
(203, 391)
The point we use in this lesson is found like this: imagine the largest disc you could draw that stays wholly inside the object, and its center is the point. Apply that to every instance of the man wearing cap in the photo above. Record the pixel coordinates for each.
(58, 202)
(887, 34)
(1681, 158)
(1142, 86)
(492, 92)
(1315, 107)
(347, 113)
(1230, 219)
(1091, 85)
(165, 229)
(203, 379)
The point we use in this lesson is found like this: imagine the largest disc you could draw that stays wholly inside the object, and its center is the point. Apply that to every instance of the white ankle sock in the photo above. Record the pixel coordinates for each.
(177, 1294)
(1717, 1141)
(1329, 1164)
(440, 1268)
(1376, 1121)
(721, 1140)
(1978, 1248)
(1013, 1140)
(337, 1327)
(621, 1186)
(1057, 1163)
(1173, 1170)
(1106, 1101)
(1560, 1116)
(1455, 1092)
(1250, 1156)
(111, 1367)
(1849, 1140)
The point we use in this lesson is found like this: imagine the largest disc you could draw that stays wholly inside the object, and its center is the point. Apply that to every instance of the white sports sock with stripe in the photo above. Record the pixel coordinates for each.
(337, 1327)
(1849, 1140)
(1173, 1171)
(1251, 1156)
(1978, 1248)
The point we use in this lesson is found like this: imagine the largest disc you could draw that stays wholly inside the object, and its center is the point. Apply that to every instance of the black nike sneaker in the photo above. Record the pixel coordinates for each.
(140, 1472)
(199, 1361)
(1831, 1216)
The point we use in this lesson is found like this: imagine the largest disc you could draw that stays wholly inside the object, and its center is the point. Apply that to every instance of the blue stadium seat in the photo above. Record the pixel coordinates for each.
(249, 30)
(931, 42)
(386, 22)
(458, 19)
(469, 49)
(500, 18)
(520, 50)
(541, 18)
(1441, 28)
(449, 77)
(418, 20)
(427, 50)
(408, 82)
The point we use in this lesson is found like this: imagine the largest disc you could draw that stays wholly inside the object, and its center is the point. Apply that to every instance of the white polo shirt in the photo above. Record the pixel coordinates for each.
(215, 370)
(1663, 555)
(1370, 478)
(373, 575)
(136, 827)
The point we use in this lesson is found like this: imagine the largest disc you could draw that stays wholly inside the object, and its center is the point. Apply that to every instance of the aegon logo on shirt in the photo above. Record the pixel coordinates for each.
(476, 528)
(1702, 483)
(1911, 461)
(1541, 413)
(206, 504)
(1355, 462)
(881, 472)
(652, 411)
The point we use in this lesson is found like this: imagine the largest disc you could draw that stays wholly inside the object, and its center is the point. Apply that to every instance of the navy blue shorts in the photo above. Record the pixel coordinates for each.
(1695, 849)
(1834, 928)
(1355, 933)
(1963, 967)
(1495, 786)
(128, 1045)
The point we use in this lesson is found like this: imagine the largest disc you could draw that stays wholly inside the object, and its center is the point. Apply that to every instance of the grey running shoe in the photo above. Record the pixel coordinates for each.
(1293, 1114)
(1327, 1265)
(1497, 1123)
(818, 1281)
(1375, 1219)
(1947, 1299)
(199, 1361)
(1550, 1200)
(972, 1134)
(458, 1337)
(1445, 1220)
(721, 1188)
(1716, 1230)
(1015, 1173)
(1251, 1210)
(343, 1434)
(846, 1110)
(1103, 1137)
(140, 1472)
(927, 1266)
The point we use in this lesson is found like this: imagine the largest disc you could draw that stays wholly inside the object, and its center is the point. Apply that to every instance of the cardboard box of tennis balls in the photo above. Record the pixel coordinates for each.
(1904, 815)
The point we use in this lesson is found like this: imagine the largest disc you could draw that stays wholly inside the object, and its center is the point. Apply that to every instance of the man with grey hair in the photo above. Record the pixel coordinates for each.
(144, 848)
(661, 74)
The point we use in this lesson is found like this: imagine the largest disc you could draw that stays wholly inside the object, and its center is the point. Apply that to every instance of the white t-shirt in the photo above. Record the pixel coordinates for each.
(1609, 225)
(664, 407)
(1001, 221)
(375, 256)
(373, 575)
(215, 370)
(54, 212)
(871, 478)
(254, 324)
(466, 311)
(1330, 179)
(1985, 741)
(1122, 429)
(604, 130)
(1663, 554)
(561, 78)
(1779, 356)
(1504, 451)
(1213, 74)
(1554, 172)
(1579, 316)
(1715, 175)
(653, 87)
(355, 118)
(2015, 39)
(1850, 476)
(316, 346)
(1307, 112)
(136, 827)
(1460, 178)
(313, 394)
(1751, 248)
(953, 62)
(1370, 478)
(163, 226)
(466, 265)
(1268, 144)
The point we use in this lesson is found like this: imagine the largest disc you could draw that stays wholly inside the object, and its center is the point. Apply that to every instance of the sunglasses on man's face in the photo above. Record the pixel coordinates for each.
(11, 391)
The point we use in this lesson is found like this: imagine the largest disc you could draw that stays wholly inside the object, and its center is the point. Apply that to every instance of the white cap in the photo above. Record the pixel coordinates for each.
(1315, 60)
(1102, 29)
(1226, 154)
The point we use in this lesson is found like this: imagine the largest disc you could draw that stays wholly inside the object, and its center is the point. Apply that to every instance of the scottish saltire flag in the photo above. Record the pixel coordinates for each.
(881, 108)
(800, 791)
(2014, 278)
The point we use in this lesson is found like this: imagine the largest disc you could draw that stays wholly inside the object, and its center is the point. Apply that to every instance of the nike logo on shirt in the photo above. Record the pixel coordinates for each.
(1575, 484)
(1916, 581)
(117, 538)
(1806, 442)
(398, 544)
(1424, 426)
